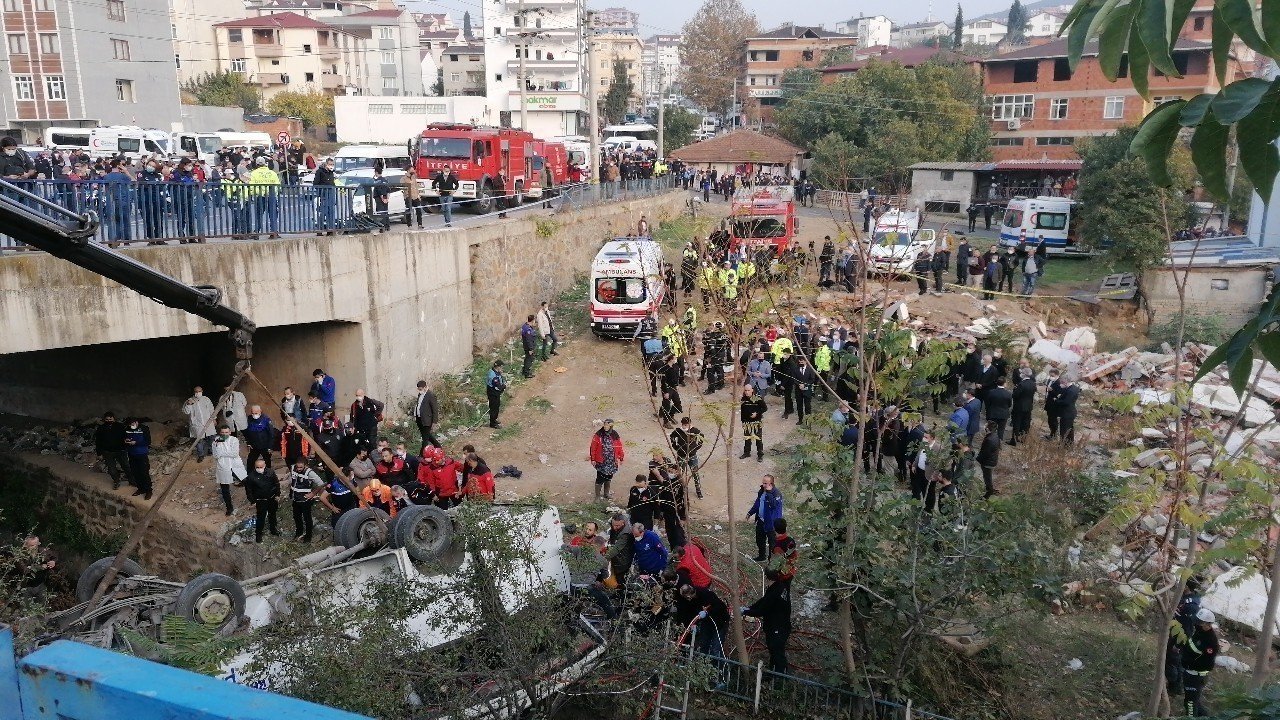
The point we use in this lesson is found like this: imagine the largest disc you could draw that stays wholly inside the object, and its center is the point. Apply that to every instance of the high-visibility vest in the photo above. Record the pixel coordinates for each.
(729, 281)
(779, 346)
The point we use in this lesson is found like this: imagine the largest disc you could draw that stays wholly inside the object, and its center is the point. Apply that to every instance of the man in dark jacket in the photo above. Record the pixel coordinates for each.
(973, 406)
(938, 265)
(262, 486)
(766, 509)
(1062, 397)
(920, 268)
(366, 413)
(751, 415)
(971, 366)
(974, 210)
(446, 184)
(711, 616)
(999, 404)
(963, 251)
(621, 547)
(323, 183)
(137, 443)
(988, 377)
(381, 200)
(529, 343)
(1024, 398)
(1198, 658)
(108, 444)
(785, 375)
(260, 436)
(774, 611)
(992, 273)
(988, 211)
(805, 379)
(989, 457)
(424, 413)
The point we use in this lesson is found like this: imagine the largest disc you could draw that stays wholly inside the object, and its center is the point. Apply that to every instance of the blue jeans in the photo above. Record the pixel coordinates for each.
(268, 207)
(328, 206)
(446, 208)
(1028, 283)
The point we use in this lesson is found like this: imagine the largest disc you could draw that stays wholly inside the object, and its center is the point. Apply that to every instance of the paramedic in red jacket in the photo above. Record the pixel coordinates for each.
(441, 474)
(692, 566)
(480, 485)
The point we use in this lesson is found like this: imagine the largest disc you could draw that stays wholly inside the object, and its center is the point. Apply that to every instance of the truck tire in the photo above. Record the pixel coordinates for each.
(354, 526)
(483, 204)
(212, 600)
(424, 531)
(92, 575)
(517, 199)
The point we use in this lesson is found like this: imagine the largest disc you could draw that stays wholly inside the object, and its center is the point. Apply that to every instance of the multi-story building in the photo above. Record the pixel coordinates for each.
(660, 67)
(463, 70)
(868, 29)
(308, 8)
(907, 57)
(547, 35)
(67, 63)
(1040, 108)
(433, 22)
(286, 51)
(393, 52)
(611, 48)
(983, 32)
(615, 21)
(771, 54)
(918, 33)
(195, 47)
(1046, 23)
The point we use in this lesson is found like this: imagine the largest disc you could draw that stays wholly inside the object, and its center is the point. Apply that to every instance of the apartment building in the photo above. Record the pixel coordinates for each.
(462, 67)
(392, 52)
(907, 57)
(983, 32)
(868, 30)
(548, 36)
(316, 9)
(67, 62)
(660, 67)
(615, 21)
(612, 47)
(287, 51)
(1040, 108)
(919, 33)
(771, 54)
(1046, 23)
(195, 46)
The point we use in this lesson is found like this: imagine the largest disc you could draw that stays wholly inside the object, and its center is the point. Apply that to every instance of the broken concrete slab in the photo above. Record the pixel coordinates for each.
(1103, 365)
(1222, 400)
(1080, 340)
(1153, 434)
(1053, 352)
(1149, 396)
(1149, 458)
(1239, 597)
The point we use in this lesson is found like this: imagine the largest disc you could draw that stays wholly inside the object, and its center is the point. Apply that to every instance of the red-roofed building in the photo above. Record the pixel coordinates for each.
(289, 51)
(770, 54)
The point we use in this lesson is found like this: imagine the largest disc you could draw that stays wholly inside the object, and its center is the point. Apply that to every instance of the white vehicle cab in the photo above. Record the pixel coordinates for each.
(365, 157)
(249, 140)
(67, 138)
(202, 146)
(632, 136)
(626, 285)
(898, 240)
(1049, 217)
(117, 140)
(362, 202)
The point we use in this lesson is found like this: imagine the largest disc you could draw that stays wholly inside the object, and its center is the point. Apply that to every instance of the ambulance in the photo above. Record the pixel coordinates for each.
(1052, 218)
(626, 285)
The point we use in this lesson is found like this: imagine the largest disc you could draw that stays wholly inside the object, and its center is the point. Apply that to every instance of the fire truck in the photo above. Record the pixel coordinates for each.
(493, 165)
(763, 216)
(549, 169)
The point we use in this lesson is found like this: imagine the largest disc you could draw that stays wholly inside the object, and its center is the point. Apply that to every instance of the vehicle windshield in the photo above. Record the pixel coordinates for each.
(760, 227)
(210, 145)
(1013, 218)
(61, 139)
(343, 164)
(893, 238)
(620, 291)
(577, 157)
(129, 145)
(445, 148)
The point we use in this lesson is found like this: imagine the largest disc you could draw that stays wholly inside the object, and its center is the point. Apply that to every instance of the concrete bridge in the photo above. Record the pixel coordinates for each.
(375, 311)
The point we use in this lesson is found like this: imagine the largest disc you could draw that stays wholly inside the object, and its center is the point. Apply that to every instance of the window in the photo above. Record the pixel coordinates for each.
(17, 44)
(1049, 221)
(12, 5)
(388, 58)
(309, 77)
(389, 83)
(120, 49)
(45, 5)
(237, 65)
(1123, 72)
(177, 60)
(1061, 69)
(1162, 99)
(380, 108)
(115, 10)
(1058, 109)
(306, 49)
(1005, 141)
(413, 109)
(1044, 141)
(55, 88)
(497, 77)
(807, 55)
(275, 62)
(764, 56)
(1026, 71)
(620, 291)
(386, 33)
(1219, 284)
(455, 77)
(1011, 107)
(235, 35)
(497, 32)
(1113, 108)
(49, 44)
(124, 91)
(947, 175)
(453, 58)
(24, 87)
(173, 30)
(1198, 24)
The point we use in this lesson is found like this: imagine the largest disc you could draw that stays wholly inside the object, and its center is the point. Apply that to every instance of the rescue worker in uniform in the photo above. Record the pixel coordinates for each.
(751, 414)
(1198, 658)
(714, 346)
(708, 282)
(822, 364)
(729, 282)
(688, 268)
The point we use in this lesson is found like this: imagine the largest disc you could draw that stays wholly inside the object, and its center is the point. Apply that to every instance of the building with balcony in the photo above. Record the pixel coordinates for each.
(1046, 22)
(612, 48)
(615, 21)
(318, 9)
(287, 51)
(660, 67)
(771, 54)
(392, 51)
(548, 36)
(68, 63)
(463, 71)
(983, 31)
(868, 29)
(913, 34)
(1040, 108)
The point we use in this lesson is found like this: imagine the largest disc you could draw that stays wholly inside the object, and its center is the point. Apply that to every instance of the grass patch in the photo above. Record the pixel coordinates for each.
(538, 403)
(506, 432)
(1062, 270)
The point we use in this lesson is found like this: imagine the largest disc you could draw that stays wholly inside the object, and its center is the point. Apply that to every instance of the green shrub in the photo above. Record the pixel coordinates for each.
(1093, 494)
(1198, 328)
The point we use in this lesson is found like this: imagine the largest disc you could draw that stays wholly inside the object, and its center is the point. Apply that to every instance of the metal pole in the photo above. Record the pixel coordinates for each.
(593, 96)
(755, 707)
(523, 50)
(662, 96)
(733, 106)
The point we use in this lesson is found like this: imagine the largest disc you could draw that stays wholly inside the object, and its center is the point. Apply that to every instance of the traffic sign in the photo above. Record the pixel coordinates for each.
(282, 138)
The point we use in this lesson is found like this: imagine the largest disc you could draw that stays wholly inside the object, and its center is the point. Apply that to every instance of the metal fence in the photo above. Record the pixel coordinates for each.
(142, 212)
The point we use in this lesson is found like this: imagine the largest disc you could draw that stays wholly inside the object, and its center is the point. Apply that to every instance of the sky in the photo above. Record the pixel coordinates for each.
(667, 16)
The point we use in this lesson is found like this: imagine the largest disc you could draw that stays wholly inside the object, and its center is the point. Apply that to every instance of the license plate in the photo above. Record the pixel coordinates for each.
(611, 327)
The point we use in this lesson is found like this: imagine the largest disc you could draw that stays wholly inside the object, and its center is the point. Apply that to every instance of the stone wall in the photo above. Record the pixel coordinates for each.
(1230, 294)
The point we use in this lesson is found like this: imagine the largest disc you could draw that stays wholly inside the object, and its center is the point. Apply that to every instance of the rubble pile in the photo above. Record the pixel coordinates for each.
(75, 442)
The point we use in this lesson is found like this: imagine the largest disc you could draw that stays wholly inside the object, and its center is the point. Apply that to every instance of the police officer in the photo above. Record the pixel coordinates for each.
(714, 346)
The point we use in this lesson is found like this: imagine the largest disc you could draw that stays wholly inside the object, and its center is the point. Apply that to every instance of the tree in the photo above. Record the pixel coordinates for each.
(836, 56)
(678, 125)
(466, 26)
(314, 109)
(223, 89)
(798, 81)
(711, 52)
(957, 32)
(1017, 23)
(1120, 204)
(618, 99)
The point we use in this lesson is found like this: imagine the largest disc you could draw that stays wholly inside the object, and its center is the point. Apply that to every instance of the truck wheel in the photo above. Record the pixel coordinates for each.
(355, 526)
(212, 600)
(424, 531)
(92, 575)
(483, 204)
(516, 199)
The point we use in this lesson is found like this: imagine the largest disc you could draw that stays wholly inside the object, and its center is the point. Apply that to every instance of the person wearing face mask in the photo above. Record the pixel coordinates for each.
(15, 164)
(260, 435)
(199, 410)
(151, 200)
(137, 444)
(262, 486)
(366, 413)
(229, 468)
(324, 181)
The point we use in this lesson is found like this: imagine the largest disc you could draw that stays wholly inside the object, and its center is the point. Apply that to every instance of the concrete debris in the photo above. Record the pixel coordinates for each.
(1153, 434)
(1081, 341)
(981, 327)
(1149, 458)
(1222, 400)
(1075, 664)
(1053, 352)
(1231, 664)
(1238, 597)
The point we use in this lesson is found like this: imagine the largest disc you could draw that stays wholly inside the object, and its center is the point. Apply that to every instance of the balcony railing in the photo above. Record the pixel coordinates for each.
(332, 82)
(268, 49)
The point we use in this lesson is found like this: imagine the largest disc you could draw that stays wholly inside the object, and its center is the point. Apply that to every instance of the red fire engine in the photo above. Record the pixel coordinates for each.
(493, 165)
(550, 168)
(763, 216)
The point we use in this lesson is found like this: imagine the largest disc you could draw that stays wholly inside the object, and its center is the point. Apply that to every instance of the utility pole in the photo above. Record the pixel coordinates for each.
(662, 105)
(593, 90)
(522, 50)
(733, 106)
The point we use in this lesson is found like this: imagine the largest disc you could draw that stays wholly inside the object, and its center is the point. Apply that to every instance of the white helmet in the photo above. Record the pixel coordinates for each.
(1205, 615)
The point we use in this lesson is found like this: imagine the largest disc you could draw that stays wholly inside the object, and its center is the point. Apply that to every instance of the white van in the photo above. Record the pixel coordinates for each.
(626, 285)
(119, 140)
(1048, 217)
(246, 139)
(201, 146)
(67, 138)
(898, 241)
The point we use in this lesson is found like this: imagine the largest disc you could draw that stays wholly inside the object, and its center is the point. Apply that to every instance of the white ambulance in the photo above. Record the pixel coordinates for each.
(626, 285)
